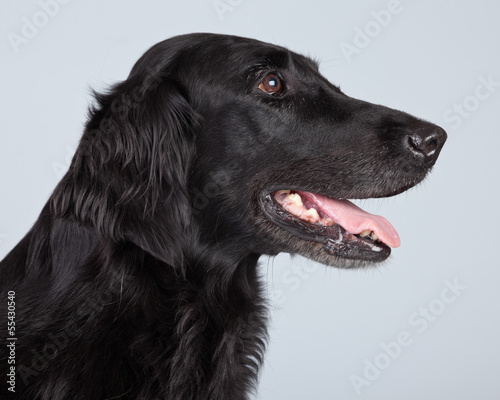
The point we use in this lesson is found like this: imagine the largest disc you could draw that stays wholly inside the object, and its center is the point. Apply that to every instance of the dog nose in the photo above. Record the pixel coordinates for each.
(425, 142)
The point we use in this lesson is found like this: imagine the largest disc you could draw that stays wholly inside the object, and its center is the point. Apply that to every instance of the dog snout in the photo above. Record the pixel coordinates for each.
(425, 142)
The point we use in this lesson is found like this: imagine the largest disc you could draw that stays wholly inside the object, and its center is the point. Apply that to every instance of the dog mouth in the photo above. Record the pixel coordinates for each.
(342, 228)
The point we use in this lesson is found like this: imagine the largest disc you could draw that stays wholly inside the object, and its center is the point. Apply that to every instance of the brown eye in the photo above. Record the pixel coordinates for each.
(272, 85)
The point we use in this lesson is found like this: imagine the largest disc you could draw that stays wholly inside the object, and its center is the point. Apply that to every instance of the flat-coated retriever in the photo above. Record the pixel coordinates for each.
(139, 279)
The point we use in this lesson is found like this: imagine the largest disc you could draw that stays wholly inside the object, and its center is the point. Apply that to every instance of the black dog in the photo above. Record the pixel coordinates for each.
(139, 280)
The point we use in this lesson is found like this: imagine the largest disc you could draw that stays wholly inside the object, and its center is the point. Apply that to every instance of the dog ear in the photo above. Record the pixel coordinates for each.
(128, 178)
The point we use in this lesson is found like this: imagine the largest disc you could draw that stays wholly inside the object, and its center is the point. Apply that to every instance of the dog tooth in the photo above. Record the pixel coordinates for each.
(328, 221)
(374, 236)
(312, 212)
(295, 198)
(365, 233)
(311, 215)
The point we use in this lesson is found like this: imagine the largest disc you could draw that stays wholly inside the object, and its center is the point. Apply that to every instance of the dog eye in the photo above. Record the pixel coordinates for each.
(271, 85)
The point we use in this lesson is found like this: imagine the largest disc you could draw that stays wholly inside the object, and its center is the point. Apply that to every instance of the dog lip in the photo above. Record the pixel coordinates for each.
(335, 240)
(394, 192)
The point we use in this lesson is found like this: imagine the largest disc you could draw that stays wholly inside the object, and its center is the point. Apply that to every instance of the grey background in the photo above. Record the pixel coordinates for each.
(327, 324)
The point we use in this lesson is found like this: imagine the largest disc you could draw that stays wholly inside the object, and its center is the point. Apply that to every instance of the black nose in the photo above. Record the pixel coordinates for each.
(425, 142)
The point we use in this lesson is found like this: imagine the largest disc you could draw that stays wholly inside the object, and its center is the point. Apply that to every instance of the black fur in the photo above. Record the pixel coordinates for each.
(139, 280)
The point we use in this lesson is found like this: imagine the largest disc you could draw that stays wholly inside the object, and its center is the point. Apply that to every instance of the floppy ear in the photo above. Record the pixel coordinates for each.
(128, 178)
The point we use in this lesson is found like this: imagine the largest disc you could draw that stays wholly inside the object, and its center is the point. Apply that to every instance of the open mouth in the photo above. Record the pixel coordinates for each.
(344, 229)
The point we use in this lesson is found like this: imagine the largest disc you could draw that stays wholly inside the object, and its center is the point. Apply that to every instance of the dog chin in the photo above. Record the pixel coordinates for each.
(319, 254)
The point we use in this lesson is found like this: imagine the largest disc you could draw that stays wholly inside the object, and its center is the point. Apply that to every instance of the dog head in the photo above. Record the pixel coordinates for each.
(230, 142)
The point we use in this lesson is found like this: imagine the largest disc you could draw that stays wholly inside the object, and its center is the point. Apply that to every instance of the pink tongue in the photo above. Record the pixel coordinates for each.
(353, 219)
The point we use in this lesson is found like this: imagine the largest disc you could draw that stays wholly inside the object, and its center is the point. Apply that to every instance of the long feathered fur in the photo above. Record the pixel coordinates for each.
(127, 301)
(139, 279)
